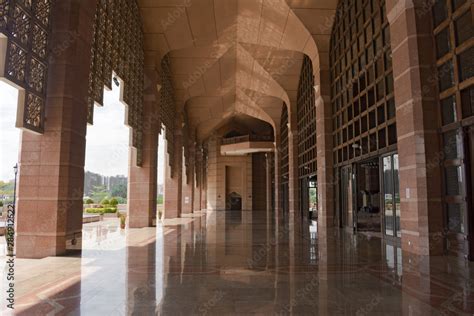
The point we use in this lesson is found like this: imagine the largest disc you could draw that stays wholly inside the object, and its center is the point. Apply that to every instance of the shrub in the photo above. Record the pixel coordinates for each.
(1, 203)
(102, 210)
(105, 201)
(113, 202)
(121, 200)
(89, 201)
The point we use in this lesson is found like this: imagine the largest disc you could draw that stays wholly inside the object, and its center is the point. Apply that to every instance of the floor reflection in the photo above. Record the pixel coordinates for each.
(239, 263)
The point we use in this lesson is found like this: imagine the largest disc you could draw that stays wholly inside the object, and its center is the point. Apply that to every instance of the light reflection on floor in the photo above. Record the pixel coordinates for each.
(227, 263)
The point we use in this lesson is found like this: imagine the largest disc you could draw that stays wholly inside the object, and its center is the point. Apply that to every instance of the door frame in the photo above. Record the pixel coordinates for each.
(349, 171)
(393, 238)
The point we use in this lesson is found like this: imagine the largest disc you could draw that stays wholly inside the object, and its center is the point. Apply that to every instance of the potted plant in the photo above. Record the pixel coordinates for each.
(122, 221)
(160, 213)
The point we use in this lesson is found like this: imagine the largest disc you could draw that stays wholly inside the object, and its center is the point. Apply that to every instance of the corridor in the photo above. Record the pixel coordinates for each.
(223, 263)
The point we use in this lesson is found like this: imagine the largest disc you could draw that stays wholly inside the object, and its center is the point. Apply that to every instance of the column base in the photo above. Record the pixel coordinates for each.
(38, 247)
(140, 221)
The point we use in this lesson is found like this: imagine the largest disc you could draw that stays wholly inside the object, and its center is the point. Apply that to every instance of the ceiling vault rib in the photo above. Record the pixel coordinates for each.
(248, 61)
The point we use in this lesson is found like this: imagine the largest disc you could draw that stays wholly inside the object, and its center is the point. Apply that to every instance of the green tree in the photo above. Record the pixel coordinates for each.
(119, 190)
(159, 199)
(99, 192)
(6, 188)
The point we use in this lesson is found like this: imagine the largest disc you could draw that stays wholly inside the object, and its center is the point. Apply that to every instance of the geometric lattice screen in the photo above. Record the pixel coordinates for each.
(284, 153)
(118, 46)
(306, 110)
(26, 25)
(167, 108)
(362, 93)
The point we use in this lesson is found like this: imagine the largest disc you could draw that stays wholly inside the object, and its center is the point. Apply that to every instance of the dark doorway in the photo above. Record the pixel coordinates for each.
(368, 215)
(235, 201)
(308, 198)
(347, 198)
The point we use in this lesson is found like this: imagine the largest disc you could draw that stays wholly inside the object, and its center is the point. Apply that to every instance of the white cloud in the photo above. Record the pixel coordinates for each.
(108, 139)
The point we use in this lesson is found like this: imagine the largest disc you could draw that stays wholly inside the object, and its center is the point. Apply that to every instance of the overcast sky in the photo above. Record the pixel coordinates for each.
(107, 139)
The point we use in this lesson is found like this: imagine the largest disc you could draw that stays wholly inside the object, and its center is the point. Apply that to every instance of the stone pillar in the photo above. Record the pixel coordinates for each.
(294, 213)
(277, 163)
(416, 113)
(174, 178)
(204, 180)
(51, 169)
(268, 169)
(198, 182)
(142, 181)
(324, 144)
(214, 198)
(293, 181)
(188, 182)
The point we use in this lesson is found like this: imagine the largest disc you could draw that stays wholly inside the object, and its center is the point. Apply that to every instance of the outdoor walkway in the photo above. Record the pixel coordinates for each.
(237, 263)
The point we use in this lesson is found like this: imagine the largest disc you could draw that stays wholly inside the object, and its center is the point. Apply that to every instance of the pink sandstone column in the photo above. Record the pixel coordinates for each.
(204, 180)
(188, 184)
(277, 163)
(51, 169)
(324, 144)
(198, 184)
(269, 158)
(142, 181)
(174, 180)
(416, 112)
(293, 181)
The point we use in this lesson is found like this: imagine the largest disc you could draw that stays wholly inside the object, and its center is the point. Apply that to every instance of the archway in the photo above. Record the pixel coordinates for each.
(107, 157)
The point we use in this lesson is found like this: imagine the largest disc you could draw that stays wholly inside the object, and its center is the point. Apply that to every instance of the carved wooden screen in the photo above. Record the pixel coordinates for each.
(306, 121)
(26, 24)
(361, 81)
(167, 106)
(186, 145)
(284, 146)
(118, 46)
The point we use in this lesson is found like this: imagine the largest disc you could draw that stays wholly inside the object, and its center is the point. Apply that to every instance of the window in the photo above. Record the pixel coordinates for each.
(370, 105)
(463, 27)
(442, 43)
(445, 76)
(448, 110)
(455, 214)
(467, 101)
(454, 31)
(439, 12)
(466, 64)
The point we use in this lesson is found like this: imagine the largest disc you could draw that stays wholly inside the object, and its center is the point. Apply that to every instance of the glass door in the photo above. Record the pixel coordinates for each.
(391, 195)
(313, 198)
(347, 218)
(304, 198)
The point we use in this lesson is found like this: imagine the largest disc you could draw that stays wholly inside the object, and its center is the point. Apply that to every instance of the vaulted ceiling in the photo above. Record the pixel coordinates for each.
(232, 57)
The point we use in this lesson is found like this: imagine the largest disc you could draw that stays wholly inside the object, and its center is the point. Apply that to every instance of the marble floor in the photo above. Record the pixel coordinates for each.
(223, 263)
